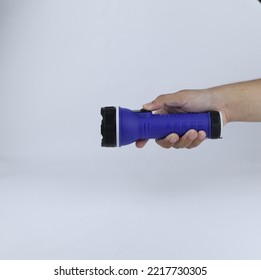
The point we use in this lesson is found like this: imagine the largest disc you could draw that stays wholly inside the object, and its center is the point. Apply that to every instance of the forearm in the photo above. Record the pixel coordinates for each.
(238, 101)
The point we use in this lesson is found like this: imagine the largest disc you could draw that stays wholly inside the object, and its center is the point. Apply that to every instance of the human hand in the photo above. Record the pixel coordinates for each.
(237, 102)
(184, 101)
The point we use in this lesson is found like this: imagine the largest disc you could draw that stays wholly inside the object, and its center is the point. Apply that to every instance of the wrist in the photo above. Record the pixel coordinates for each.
(220, 102)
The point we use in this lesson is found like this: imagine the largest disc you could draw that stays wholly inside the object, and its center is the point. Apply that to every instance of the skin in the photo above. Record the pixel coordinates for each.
(237, 102)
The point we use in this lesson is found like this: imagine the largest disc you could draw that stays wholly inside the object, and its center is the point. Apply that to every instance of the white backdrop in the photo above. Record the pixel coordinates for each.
(62, 196)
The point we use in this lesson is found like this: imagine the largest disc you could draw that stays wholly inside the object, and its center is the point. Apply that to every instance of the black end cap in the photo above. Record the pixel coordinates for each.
(215, 125)
(108, 127)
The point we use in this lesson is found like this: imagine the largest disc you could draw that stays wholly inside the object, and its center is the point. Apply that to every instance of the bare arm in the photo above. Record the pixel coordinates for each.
(237, 102)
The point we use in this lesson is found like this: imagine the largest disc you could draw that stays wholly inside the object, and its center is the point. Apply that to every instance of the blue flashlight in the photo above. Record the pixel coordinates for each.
(121, 126)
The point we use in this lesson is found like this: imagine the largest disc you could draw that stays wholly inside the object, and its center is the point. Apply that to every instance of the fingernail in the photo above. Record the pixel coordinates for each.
(147, 105)
(173, 139)
(202, 135)
(192, 135)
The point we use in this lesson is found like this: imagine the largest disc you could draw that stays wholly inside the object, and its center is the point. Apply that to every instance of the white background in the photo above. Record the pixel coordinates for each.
(62, 196)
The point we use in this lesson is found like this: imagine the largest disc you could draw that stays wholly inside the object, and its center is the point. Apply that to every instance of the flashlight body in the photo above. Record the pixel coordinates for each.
(134, 125)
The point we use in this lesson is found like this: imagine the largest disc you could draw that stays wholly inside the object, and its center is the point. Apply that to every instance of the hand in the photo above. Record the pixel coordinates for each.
(237, 102)
(181, 102)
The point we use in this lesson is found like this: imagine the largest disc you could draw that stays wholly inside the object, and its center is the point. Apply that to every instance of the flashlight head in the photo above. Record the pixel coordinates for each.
(109, 127)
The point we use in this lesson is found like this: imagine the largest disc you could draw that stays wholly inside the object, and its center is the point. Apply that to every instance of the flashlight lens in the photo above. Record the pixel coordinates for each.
(108, 127)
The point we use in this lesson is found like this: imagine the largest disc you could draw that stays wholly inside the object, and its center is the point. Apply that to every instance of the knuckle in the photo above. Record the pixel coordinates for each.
(161, 143)
(160, 98)
(178, 146)
(190, 147)
(175, 147)
(181, 91)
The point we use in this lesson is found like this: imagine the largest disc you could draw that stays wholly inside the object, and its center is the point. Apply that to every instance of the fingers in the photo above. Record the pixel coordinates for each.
(169, 141)
(200, 138)
(141, 143)
(190, 139)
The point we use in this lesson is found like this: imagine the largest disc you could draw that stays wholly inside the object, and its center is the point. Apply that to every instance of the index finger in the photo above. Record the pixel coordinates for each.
(141, 143)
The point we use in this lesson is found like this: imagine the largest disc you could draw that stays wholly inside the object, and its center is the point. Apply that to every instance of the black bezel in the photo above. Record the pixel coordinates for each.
(108, 127)
(215, 125)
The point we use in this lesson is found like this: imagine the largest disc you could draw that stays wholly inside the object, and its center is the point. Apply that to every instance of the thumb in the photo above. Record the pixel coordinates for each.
(153, 105)
(166, 100)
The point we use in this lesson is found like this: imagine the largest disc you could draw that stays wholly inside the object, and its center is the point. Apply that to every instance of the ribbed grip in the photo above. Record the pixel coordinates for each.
(159, 126)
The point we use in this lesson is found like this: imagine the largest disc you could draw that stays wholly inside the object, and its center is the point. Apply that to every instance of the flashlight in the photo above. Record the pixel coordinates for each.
(121, 126)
